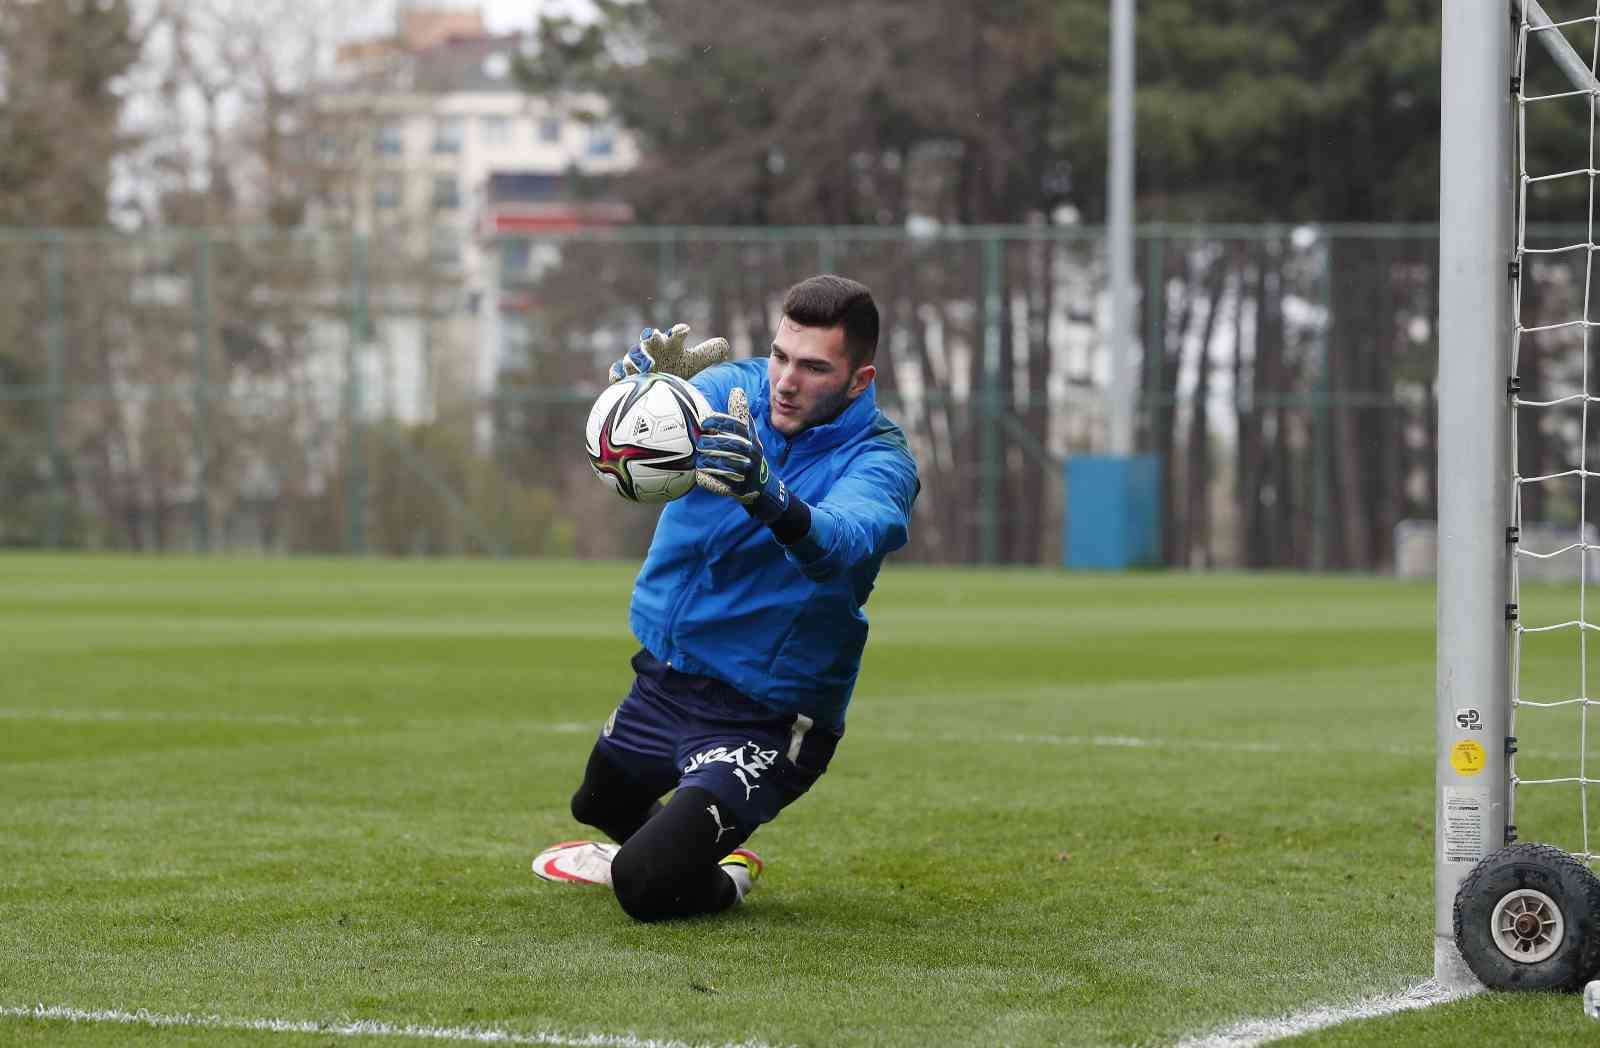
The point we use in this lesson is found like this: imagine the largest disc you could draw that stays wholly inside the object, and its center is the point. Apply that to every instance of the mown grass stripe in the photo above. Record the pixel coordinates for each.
(1137, 742)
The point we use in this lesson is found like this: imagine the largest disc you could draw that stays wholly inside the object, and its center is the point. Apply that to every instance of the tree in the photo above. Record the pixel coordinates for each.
(841, 112)
(61, 64)
(1324, 114)
(59, 108)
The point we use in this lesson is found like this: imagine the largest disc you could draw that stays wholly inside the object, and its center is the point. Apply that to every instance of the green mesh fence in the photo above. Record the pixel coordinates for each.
(334, 394)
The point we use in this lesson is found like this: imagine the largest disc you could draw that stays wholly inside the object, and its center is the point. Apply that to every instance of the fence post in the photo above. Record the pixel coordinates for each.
(1322, 412)
(355, 478)
(989, 407)
(664, 312)
(201, 297)
(1155, 323)
(55, 292)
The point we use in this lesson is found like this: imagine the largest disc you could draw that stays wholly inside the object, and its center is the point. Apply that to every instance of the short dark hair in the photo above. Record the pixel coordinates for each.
(828, 301)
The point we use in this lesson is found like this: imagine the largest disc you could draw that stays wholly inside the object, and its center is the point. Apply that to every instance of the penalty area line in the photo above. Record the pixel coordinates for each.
(355, 1028)
(1252, 1032)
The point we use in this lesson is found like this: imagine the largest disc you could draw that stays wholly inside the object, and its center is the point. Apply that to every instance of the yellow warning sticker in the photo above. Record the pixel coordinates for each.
(1467, 757)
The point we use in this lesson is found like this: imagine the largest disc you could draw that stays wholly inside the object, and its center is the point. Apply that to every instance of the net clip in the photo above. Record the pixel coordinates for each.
(1513, 269)
(1511, 745)
(1511, 834)
(1516, 86)
(1511, 613)
(1514, 386)
(1513, 535)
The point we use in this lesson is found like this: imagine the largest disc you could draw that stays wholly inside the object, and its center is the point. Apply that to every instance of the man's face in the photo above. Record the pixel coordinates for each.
(811, 377)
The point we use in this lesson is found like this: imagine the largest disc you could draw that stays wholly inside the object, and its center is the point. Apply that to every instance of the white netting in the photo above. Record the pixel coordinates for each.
(1552, 273)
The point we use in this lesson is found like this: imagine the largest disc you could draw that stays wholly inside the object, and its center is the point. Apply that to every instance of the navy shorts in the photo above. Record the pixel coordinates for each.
(681, 729)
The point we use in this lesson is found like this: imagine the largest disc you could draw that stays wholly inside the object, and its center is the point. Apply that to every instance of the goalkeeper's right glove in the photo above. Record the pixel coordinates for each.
(665, 352)
(729, 460)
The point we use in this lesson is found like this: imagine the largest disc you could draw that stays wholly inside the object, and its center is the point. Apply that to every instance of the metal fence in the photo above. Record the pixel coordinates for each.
(334, 393)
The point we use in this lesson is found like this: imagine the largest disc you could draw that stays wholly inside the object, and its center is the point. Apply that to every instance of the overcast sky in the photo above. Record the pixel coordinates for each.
(508, 16)
(505, 16)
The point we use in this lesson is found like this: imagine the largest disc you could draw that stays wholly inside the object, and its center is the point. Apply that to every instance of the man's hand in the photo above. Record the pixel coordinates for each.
(665, 352)
(729, 461)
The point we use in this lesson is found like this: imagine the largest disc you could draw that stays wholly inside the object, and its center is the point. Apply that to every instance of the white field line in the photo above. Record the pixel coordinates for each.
(1252, 1032)
(1140, 742)
(585, 727)
(358, 1028)
(1143, 742)
(1173, 742)
(1134, 742)
(575, 727)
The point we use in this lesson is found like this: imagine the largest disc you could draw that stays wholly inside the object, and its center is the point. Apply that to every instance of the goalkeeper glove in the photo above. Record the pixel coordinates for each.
(665, 352)
(729, 461)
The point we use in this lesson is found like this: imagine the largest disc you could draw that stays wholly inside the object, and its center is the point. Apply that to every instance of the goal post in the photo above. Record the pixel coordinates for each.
(1515, 906)
(1471, 795)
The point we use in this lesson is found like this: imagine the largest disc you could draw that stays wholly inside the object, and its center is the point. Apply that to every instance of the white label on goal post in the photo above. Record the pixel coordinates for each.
(1462, 832)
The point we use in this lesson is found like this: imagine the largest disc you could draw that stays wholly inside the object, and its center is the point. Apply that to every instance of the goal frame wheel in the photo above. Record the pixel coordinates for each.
(1527, 917)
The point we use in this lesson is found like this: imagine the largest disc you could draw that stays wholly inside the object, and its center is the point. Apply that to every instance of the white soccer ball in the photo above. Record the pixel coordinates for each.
(641, 436)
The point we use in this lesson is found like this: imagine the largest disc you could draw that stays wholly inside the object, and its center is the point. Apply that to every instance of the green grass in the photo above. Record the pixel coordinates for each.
(1068, 810)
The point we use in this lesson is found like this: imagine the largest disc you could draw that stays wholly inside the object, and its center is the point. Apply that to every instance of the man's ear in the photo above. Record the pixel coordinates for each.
(861, 380)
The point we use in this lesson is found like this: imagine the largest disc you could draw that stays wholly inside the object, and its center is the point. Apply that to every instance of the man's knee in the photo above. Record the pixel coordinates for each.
(616, 813)
(608, 798)
(590, 807)
(670, 868)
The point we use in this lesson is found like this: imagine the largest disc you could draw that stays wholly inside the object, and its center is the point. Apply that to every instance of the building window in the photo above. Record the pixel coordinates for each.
(447, 135)
(496, 130)
(550, 129)
(390, 140)
(386, 191)
(515, 257)
(516, 346)
(328, 148)
(444, 247)
(602, 140)
(446, 193)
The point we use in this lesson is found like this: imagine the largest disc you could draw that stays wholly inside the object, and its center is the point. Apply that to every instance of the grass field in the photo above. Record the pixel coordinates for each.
(1068, 810)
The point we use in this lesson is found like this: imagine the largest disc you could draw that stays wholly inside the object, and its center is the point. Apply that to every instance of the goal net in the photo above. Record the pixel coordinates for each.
(1552, 276)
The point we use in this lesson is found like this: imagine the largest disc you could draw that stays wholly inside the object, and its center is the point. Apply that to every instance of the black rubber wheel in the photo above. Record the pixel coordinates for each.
(1528, 918)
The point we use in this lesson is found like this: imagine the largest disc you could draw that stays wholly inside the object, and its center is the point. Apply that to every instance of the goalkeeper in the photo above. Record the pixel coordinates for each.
(748, 607)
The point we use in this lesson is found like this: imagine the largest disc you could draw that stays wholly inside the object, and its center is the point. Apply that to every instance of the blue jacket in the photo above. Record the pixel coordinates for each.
(718, 595)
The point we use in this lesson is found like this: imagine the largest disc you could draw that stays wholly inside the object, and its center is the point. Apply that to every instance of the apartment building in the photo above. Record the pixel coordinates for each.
(446, 160)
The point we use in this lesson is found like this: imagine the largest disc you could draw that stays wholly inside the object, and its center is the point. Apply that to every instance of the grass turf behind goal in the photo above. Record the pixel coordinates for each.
(1067, 810)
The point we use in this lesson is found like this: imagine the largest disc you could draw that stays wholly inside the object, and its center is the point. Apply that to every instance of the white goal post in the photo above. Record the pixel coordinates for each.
(1475, 163)
(1482, 260)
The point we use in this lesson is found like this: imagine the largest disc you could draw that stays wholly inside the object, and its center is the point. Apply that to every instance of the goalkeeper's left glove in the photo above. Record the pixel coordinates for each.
(729, 461)
(664, 352)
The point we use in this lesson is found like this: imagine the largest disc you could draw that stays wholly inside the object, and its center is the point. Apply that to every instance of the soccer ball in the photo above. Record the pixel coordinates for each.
(641, 436)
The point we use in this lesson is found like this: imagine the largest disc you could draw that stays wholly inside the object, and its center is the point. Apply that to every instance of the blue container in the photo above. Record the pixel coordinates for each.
(1113, 511)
